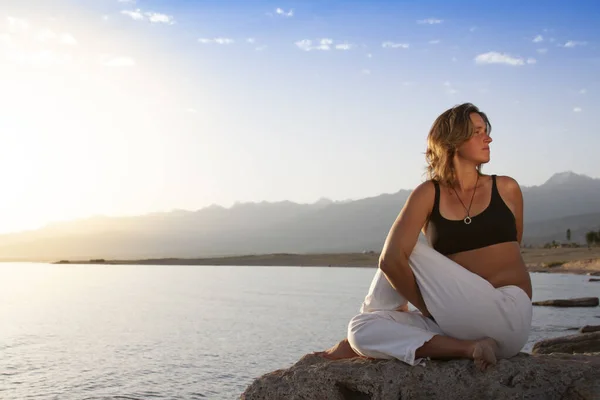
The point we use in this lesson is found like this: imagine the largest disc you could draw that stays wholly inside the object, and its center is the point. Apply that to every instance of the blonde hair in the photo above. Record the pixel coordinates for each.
(451, 129)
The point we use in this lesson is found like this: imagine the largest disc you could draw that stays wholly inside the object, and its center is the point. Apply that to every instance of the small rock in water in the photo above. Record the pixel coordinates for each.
(580, 343)
(590, 328)
(578, 302)
(594, 280)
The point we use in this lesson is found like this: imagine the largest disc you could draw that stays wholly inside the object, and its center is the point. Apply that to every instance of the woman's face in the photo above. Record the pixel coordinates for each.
(477, 148)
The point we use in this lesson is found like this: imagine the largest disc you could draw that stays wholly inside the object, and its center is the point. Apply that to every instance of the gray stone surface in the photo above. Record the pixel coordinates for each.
(543, 377)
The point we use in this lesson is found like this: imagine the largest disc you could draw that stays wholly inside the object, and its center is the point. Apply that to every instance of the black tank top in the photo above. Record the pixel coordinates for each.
(495, 224)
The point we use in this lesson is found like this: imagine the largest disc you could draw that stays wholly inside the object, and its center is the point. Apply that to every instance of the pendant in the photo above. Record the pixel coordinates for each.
(467, 220)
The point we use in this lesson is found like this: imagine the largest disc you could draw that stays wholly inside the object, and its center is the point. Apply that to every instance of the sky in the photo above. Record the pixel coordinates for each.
(127, 107)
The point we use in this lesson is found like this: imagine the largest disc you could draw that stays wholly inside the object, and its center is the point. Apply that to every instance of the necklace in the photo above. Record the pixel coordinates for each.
(467, 219)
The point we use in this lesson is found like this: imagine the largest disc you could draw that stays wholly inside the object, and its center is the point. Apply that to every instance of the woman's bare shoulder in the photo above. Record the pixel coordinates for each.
(509, 187)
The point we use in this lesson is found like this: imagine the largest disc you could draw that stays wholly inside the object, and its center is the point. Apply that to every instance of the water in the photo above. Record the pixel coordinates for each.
(190, 332)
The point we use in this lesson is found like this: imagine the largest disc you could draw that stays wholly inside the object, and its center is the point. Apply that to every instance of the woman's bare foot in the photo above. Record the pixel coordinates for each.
(340, 351)
(484, 353)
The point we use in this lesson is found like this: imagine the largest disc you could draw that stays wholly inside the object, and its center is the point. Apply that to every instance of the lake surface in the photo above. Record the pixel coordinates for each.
(191, 332)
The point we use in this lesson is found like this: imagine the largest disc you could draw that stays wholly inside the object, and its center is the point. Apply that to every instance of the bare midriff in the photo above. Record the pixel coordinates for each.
(500, 264)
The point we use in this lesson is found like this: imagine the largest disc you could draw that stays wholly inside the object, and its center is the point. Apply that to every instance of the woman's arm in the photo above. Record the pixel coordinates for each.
(401, 240)
(511, 191)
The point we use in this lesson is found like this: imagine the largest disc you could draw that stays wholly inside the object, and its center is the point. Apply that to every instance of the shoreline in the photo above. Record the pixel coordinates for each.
(580, 260)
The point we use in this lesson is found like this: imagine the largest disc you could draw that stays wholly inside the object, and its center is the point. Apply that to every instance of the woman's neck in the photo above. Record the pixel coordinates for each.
(466, 176)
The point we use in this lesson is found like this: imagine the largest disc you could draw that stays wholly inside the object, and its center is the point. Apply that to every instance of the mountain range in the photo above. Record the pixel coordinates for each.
(565, 201)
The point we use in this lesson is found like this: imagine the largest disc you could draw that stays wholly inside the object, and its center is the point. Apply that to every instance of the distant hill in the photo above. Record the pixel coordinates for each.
(566, 200)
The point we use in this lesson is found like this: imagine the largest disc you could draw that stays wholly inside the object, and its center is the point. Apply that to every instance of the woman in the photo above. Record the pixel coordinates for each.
(465, 275)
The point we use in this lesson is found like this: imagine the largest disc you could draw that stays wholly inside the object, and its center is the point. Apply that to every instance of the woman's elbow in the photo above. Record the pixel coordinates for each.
(387, 262)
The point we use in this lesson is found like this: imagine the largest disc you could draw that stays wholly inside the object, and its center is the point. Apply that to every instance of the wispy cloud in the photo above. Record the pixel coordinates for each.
(48, 35)
(119, 62)
(17, 25)
(218, 40)
(343, 46)
(430, 21)
(150, 16)
(449, 88)
(191, 110)
(127, 1)
(68, 39)
(577, 109)
(531, 60)
(574, 43)
(542, 51)
(436, 41)
(366, 72)
(583, 91)
(251, 40)
(393, 45)
(135, 14)
(321, 44)
(160, 18)
(494, 57)
(280, 11)
(538, 39)
(44, 58)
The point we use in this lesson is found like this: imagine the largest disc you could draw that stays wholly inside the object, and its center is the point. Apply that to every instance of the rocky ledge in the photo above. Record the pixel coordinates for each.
(535, 376)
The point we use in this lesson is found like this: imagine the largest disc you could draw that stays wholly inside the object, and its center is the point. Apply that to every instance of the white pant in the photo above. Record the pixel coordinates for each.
(464, 305)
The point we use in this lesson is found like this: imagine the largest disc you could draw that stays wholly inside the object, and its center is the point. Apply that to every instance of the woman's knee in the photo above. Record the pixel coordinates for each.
(359, 327)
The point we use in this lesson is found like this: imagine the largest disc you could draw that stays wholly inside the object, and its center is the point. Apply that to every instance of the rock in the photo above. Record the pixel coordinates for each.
(544, 377)
(590, 328)
(595, 273)
(578, 302)
(594, 280)
(556, 376)
(579, 343)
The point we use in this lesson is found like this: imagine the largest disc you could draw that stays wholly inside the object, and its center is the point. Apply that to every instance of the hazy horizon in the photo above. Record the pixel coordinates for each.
(124, 107)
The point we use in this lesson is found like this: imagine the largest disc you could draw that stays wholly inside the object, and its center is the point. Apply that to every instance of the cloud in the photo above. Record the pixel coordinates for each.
(472, 29)
(17, 25)
(48, 35)
(494, 57)
(127, 1)
(119, 62)
(136, 15)
(538, 39)
(251, 40)
(261, 48)
(321, 44)
(577, 109)
(542, 51)
(430, 21)
(574, 43)
(160, 18)
(66, 38)
(343, 46)
(531, 60)
(366, 72)
(191, 110)
(392, 45)
(152, 17)
(583, 91)
(218, 40)
(44, 58)
(449, 88)
(6, 39)
(369, 55)
(436, 41)
(280, 11)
